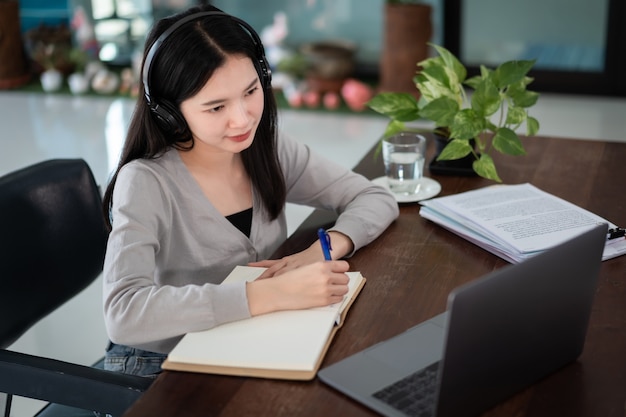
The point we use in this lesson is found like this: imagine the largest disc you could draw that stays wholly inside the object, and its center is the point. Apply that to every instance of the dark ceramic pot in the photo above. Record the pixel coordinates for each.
(461, 167)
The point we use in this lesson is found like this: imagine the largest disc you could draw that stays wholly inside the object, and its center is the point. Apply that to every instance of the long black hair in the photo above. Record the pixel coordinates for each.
(186, 60)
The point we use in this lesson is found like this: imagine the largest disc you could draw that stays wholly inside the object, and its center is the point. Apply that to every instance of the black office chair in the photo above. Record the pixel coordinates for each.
(52, 245)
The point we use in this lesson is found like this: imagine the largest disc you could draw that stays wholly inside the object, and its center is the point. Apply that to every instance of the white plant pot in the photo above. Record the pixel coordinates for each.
(78, 82)
(51, 80)
(105, 82)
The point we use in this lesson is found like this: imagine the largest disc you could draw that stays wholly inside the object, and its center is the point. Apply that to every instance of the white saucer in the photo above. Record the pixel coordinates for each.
(428, 188)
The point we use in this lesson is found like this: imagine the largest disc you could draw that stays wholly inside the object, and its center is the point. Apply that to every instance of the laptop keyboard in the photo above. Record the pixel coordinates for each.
(415, 394)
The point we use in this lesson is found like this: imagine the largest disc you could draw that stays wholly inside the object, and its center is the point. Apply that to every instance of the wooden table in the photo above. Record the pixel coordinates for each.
(411, 268)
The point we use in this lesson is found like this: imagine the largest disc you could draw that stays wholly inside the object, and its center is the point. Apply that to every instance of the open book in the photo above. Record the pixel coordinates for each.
(515, 221)
(284, 344)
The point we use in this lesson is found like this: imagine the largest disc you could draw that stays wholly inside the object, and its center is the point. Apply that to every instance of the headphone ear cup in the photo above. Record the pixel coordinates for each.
(168, 118)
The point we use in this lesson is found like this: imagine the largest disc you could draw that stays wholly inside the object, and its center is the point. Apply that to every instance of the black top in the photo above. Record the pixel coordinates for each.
(242, 221)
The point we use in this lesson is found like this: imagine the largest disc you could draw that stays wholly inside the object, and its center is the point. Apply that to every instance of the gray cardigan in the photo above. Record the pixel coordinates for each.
(169, 247)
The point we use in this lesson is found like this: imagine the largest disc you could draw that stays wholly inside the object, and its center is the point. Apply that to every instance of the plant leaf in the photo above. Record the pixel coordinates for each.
(438, 81)
(467, 125)
(507, 142)
(451, 62)
(524, 98)
(515, 115)
(441, 111)
(473, 82)
(511, 72)
(432, 61)
(532, 126)
(394, 127)
(477, 79)
(397, 106)
(485, 167)
(486, 99)
(485, 72)
(455, 149)
(436, 73)
(431, 89)
(428, 90)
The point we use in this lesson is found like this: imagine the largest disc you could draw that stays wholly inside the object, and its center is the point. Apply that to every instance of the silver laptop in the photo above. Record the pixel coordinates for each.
(499, 334)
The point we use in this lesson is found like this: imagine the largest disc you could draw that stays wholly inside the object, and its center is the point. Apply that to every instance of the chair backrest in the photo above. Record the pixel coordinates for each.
(52, 241)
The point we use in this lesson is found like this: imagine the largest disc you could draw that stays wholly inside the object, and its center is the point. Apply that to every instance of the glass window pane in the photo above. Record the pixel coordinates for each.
(560, 34)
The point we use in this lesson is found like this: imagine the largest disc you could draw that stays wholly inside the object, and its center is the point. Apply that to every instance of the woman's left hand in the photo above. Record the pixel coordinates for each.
(341, 246)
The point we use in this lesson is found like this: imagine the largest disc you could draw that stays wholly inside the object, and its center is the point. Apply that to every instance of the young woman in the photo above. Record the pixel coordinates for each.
(201, 187)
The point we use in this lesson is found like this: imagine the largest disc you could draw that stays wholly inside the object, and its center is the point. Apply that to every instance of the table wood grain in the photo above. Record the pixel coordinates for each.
(412, 267)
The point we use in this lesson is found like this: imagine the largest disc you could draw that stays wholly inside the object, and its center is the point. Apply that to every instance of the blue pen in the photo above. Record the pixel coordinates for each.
(325, 242)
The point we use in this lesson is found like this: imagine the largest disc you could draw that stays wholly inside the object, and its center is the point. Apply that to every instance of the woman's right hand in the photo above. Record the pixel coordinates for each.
(314, 285)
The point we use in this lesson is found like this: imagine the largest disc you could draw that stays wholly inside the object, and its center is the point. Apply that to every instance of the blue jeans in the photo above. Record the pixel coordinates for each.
(128, 360)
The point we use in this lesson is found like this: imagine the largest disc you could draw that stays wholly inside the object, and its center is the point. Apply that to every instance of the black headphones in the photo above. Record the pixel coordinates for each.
(165, 113)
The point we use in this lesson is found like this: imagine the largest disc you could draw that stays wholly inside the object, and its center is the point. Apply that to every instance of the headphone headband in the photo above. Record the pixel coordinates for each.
(165, 113)
(265, 75)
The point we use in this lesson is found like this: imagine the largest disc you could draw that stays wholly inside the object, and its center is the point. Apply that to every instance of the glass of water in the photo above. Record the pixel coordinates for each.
(403, 156)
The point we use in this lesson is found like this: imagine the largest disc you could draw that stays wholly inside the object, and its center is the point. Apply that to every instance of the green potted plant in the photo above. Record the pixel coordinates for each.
(473, 125)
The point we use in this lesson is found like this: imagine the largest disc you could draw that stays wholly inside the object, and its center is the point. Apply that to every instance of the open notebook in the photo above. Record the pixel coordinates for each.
(284, 344)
